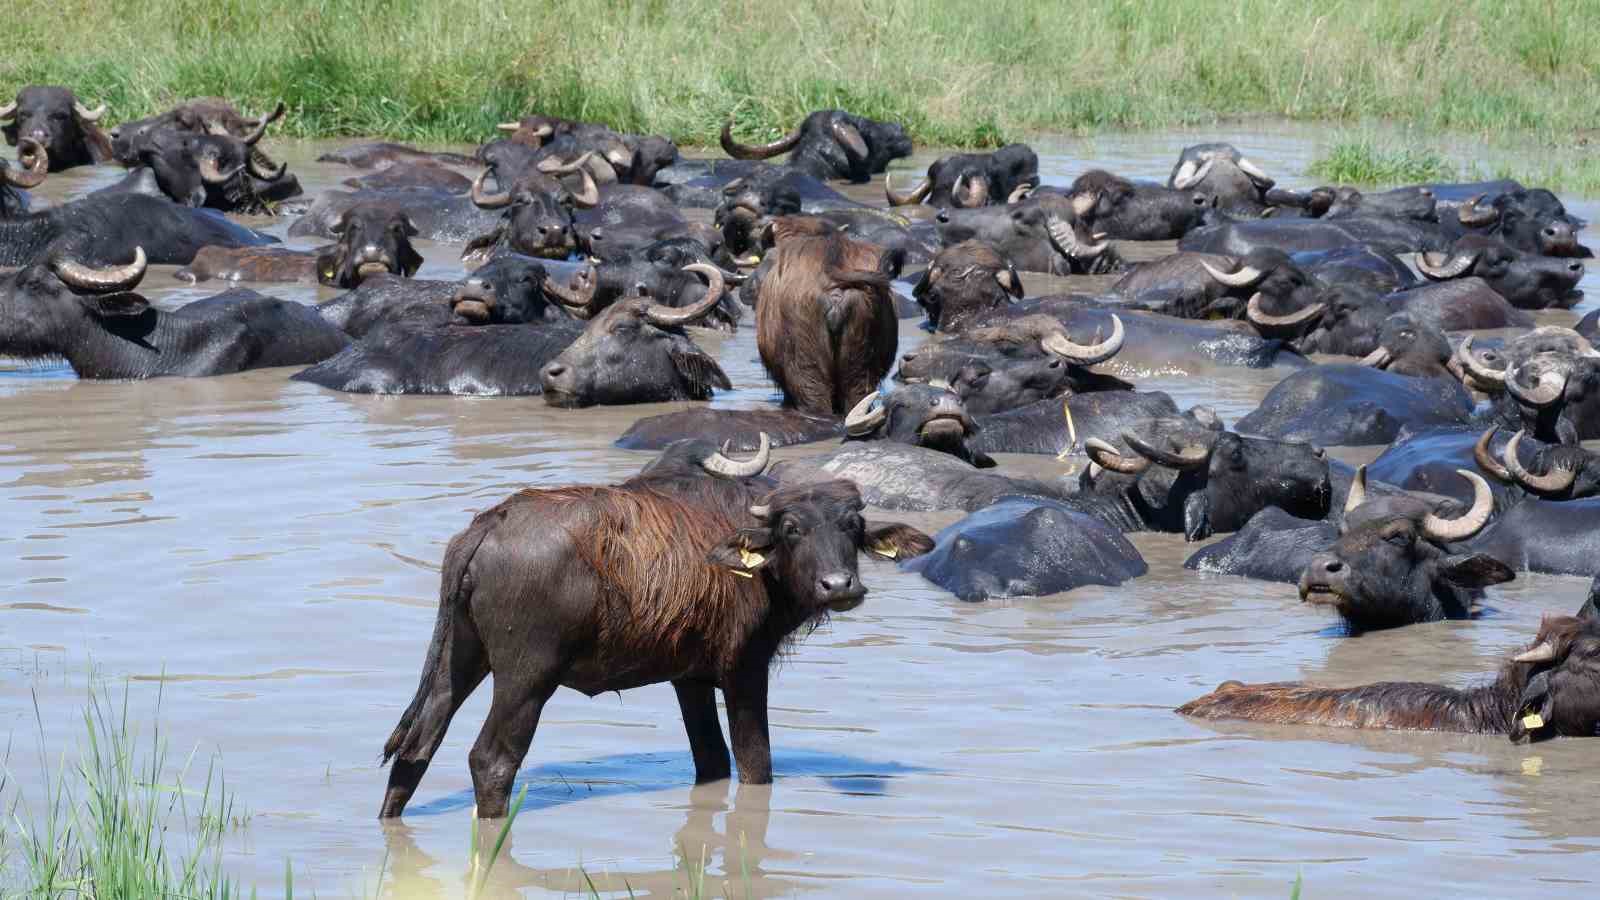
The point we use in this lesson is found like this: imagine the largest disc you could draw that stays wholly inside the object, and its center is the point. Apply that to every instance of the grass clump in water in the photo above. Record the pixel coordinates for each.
(120, 822)
(1367, 162)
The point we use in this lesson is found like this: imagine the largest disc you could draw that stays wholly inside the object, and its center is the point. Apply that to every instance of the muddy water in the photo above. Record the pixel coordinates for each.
(261, 555)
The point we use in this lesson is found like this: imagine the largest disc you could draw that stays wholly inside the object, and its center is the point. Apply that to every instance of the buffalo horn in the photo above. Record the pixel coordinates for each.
(1558, 479)
(862, 418)
(718, 464)
(103, 281)
(667, 316)
(1086, 354)
(1470, 523)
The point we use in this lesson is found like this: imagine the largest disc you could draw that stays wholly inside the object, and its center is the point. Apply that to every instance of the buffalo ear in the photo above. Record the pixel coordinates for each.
(745, 552)
(1475, 570)
(891, 262)
(328, 268)
(701, 371)
(1009, 280)
(408, 225)
(113, 305)
(340, 224)
(893, 540)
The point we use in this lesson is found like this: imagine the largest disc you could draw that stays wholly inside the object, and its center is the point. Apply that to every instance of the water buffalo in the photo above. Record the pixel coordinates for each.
(1556, 395)
(629, 217)
(636, 351)
(1224, 173)
(695, 577)
(100, 230)
(1463, 304)
(1027, 548)
(437, 215)
(412, 174)
(1263, 286)
(634, 159)
(1414, 202)
(201, 115)
(750, 204)
(1546, 690)
(965, 180)
(536, 212)
(739, 429)
(1392, 564)
(1532, 221)
(1033, 235)
(206, 170)
(1556, 537)
(660, 271)
(1355, 405)
(1526, 280)
(509, 290)
(963, 281)
(1059, 426)
(462, 360)
(1136, 212)
(370, 239)
(1357, 266)
(1272, 546)
(1383, 234)
(1348, 323)
(1183, 477)
(371, 155)
(825, 319)
(1555, 471)
(1407, 346)
(829, 144)
(906, 477)
(93, 318)
(927, 416)
(51, 119)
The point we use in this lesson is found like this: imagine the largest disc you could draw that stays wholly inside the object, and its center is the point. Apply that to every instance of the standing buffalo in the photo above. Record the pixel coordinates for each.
(51, 118)
(831, 143)
(689, 572)
(1549, 689)
(825, 317)
(965, 180)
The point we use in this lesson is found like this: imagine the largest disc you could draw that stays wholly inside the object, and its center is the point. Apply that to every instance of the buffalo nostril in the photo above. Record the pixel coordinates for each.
(555, 370)
(1333, 567)
(1575, 267)
(840, 581)
(908, 357)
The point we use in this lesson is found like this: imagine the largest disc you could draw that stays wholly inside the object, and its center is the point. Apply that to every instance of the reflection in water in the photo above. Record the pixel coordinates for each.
(271, 549)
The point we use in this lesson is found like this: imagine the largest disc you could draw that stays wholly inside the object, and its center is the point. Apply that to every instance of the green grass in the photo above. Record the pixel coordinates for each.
(121, 821)
(447, 70)
(1369, 162)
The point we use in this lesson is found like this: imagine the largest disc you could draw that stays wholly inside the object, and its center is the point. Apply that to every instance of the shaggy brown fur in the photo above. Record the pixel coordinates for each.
(1566, 691)
(825, 318)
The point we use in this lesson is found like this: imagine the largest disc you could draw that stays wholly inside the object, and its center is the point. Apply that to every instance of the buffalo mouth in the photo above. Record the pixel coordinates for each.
(1321, 594)
(943, 429)
(845, 601)
(370, 268)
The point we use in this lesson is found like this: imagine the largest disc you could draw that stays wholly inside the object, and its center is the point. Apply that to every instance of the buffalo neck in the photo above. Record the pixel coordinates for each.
(24, 240)
(112, 347)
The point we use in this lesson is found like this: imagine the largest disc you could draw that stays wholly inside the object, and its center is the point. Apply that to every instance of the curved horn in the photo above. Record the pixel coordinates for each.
(1544, 651)
(588, 195)
(1480, 372)
(848, 136)
(485, 200)
(1266, 320)
(9, 111)
(718, 464)
(862, 418)
(761, 511)
(36, 163)
(1195, 176)
(211, 174)
(1472, 215)
(915, 196)
(667, 316)
(101, 281)
(89, 115)
(1552, 384)
(1485, 459)
(1443, 270)
(970, 193)
(1244, 277)
(1469, 524)
(552, 165)
(1378, 358)
(259, 169)
(577, 296)
(254, 137)
(509, 127)
(1358, 491)
(756, 151)
(1254, 172)
(1192, 457)
(1106, 456)
(1086, 354)
(1064, 238)
(1020, 193)
(1558, 479)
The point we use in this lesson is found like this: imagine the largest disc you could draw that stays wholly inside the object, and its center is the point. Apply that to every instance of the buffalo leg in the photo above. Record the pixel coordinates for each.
(507, 733)
(460, 667)
(698, 700)
(746, 693)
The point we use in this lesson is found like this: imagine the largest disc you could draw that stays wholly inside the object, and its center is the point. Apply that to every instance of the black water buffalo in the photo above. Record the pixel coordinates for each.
(1264, 286)
(1348, 323)
(1354, 405)
(200, 115)
(905, 477)
(1414, 202)
(1392, 564)
(1526, 280)
(476, 360)
(1357, 266)
(629, 217)
(205, 170)
(1552, 471)
(661, 272)
(369, 240)
(1532, 221)
(374, 154)
(1427, 460)
(739, 429)
(1032, 235)
(1387, 235)
(411, 174)
(536, 211)
(962, 282)
(635, 351)
(1556, 537)
(1027, 548)
(634, 159)
(1184, 477)
(1128, 211)
(1484, 367)
(1272, 546)
(750, 204)
(93, 318)
(1222, 172)
(437, 215)
(695, 577)
(509, 290)
(1462, 304)
(831, 143)
(927, 416)
(1544, 691)
(104, 229)
(51, 119)
(1000, 367)
(1556, 395)
(965, 180)
(1058, 426)
(1409, 346)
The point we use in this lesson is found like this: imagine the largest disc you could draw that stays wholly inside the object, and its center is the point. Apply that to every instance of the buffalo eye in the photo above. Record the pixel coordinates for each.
(1400, 539)
(791, 530)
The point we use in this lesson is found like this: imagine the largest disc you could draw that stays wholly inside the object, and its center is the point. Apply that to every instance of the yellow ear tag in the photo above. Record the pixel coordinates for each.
(1532, 721)
(750, 559)
(886, 549)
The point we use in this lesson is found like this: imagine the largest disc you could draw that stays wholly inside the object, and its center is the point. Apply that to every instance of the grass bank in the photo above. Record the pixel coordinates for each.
(447, 70)
(1376, 162)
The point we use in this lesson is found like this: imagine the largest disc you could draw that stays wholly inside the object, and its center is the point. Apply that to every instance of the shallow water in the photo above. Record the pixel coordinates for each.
(262, 556)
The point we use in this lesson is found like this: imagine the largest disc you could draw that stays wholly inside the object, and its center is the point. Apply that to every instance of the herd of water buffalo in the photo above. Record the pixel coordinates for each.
(589, 270)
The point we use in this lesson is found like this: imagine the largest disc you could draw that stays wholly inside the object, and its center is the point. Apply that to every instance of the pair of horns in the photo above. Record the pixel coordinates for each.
(1509, 468)
(719, 463)
(1434, 526)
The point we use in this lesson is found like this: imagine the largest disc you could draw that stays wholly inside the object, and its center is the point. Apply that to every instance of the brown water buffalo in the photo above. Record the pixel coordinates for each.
(51, 118)
(691, 572)
(825, 317)
(1551, 688)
